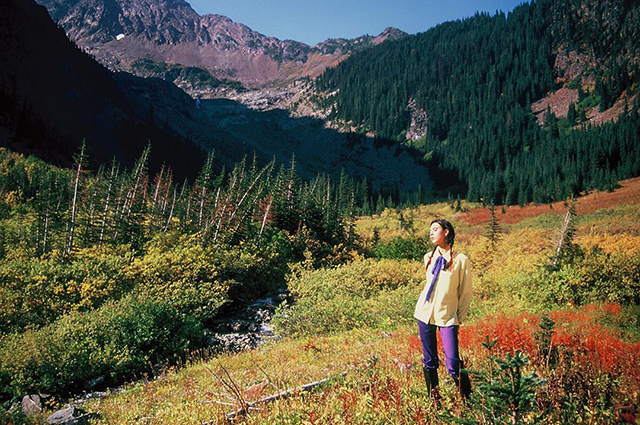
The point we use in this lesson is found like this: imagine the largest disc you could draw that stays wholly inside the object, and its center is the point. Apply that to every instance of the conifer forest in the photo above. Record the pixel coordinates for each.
(475, 80)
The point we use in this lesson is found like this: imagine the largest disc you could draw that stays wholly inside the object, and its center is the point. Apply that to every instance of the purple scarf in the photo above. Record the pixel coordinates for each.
(440, 264)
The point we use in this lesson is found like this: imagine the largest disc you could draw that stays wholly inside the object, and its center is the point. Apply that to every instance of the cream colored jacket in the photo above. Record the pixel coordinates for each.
(449, 303)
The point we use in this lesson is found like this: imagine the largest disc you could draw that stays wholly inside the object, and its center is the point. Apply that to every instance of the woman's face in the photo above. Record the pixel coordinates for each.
(438, 235)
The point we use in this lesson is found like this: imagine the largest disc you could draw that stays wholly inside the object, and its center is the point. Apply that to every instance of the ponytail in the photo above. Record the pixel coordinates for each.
(430, 257)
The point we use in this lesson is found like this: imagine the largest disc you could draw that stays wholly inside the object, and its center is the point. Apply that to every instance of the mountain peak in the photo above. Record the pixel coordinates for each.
(101, 21)
(119, 32)
(345, 46)
(393, 31)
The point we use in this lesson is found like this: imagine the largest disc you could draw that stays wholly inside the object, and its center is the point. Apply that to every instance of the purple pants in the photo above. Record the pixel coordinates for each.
(449, 336)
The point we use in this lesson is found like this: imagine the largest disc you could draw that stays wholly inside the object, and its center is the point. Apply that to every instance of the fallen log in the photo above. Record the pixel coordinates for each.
(281, 395)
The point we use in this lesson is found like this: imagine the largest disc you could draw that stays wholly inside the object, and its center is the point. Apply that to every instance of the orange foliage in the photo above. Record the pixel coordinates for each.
(594, 344)
(414, 343)
(513, 333)
(611, 243)
(628, 193)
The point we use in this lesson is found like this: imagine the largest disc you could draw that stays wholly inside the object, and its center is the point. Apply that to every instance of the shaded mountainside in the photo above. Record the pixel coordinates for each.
(533, 106)
(119, 32)
(54, 95)
(386, 165)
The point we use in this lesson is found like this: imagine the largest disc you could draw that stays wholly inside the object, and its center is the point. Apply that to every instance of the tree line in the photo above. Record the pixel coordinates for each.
(475, 80)
(68, 209)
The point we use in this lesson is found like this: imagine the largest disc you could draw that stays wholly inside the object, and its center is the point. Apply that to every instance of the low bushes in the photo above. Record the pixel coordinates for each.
(117, 313)
(179, 271)
(363, 293)
(588, 277)
(255, 270)
(35, 291)
(590, 370)
(409, 248)
(115, 341)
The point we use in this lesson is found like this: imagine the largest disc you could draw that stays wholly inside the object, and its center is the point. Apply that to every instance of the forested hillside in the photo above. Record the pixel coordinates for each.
(471, 84)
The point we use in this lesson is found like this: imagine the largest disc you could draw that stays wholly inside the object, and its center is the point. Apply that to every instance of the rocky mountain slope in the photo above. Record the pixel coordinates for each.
(52, 95)
(120, 32)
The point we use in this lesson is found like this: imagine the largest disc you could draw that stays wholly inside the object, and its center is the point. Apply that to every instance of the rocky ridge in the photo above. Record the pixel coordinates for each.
(119, 32)
(574, 69)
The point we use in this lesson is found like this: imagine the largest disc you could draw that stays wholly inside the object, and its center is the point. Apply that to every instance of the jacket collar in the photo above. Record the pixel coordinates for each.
(442, 253)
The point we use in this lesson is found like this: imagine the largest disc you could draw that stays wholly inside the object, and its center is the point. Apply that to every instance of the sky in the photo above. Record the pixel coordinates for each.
(317, 20)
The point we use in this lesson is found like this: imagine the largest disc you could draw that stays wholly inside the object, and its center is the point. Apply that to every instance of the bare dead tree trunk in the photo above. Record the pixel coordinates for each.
(264, 219)
(561, 241)
(173, 203)
(566, 233)
(74, 202)
(246, 406)
(45, 231)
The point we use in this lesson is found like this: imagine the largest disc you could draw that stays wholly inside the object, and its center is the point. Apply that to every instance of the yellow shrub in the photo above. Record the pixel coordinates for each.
(179, 271)
(611, 244)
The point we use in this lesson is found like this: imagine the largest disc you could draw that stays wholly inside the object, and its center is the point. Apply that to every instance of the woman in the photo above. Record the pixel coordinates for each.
(443, 305)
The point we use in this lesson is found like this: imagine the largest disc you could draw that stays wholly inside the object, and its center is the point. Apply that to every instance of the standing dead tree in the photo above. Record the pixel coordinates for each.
(567, 231)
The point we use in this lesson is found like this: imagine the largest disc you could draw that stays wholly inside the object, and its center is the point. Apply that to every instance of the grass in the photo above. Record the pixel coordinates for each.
(382, 385)
(590, 366)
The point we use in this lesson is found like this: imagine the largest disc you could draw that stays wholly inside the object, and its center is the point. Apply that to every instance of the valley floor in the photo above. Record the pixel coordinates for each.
(577, 327)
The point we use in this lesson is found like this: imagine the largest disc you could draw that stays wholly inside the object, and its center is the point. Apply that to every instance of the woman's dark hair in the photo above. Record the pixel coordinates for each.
(451, 236)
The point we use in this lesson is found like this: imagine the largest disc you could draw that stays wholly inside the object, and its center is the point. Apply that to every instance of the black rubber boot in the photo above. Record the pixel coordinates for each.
(464, 384)
(431, 379)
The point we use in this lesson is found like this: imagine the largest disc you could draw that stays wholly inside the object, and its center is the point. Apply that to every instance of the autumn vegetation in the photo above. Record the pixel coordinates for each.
(546, 341)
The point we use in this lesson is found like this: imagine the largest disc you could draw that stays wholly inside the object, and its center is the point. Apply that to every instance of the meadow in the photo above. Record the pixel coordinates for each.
(542, 345)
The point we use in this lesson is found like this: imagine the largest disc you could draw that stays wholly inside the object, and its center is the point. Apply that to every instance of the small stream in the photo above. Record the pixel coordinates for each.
(244, 327)
(247, 327)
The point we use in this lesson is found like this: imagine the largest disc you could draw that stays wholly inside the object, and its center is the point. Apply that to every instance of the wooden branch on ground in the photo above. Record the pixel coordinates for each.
(223, 403)
(281, 395)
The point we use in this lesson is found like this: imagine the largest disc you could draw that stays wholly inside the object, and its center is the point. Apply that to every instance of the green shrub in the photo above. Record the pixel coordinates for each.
(409, 248)
(254, 270)
(35, 291)
(589, 277)
(176, 269)
(117, 340)
(364, 293)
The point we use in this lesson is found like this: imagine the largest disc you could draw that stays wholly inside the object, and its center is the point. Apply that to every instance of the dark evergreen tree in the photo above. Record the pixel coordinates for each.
(476, 80)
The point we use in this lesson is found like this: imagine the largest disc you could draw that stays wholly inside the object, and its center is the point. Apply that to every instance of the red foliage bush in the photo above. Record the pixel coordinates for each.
(586, 359)
(581, 332)
(513, 333)
(578, 331)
